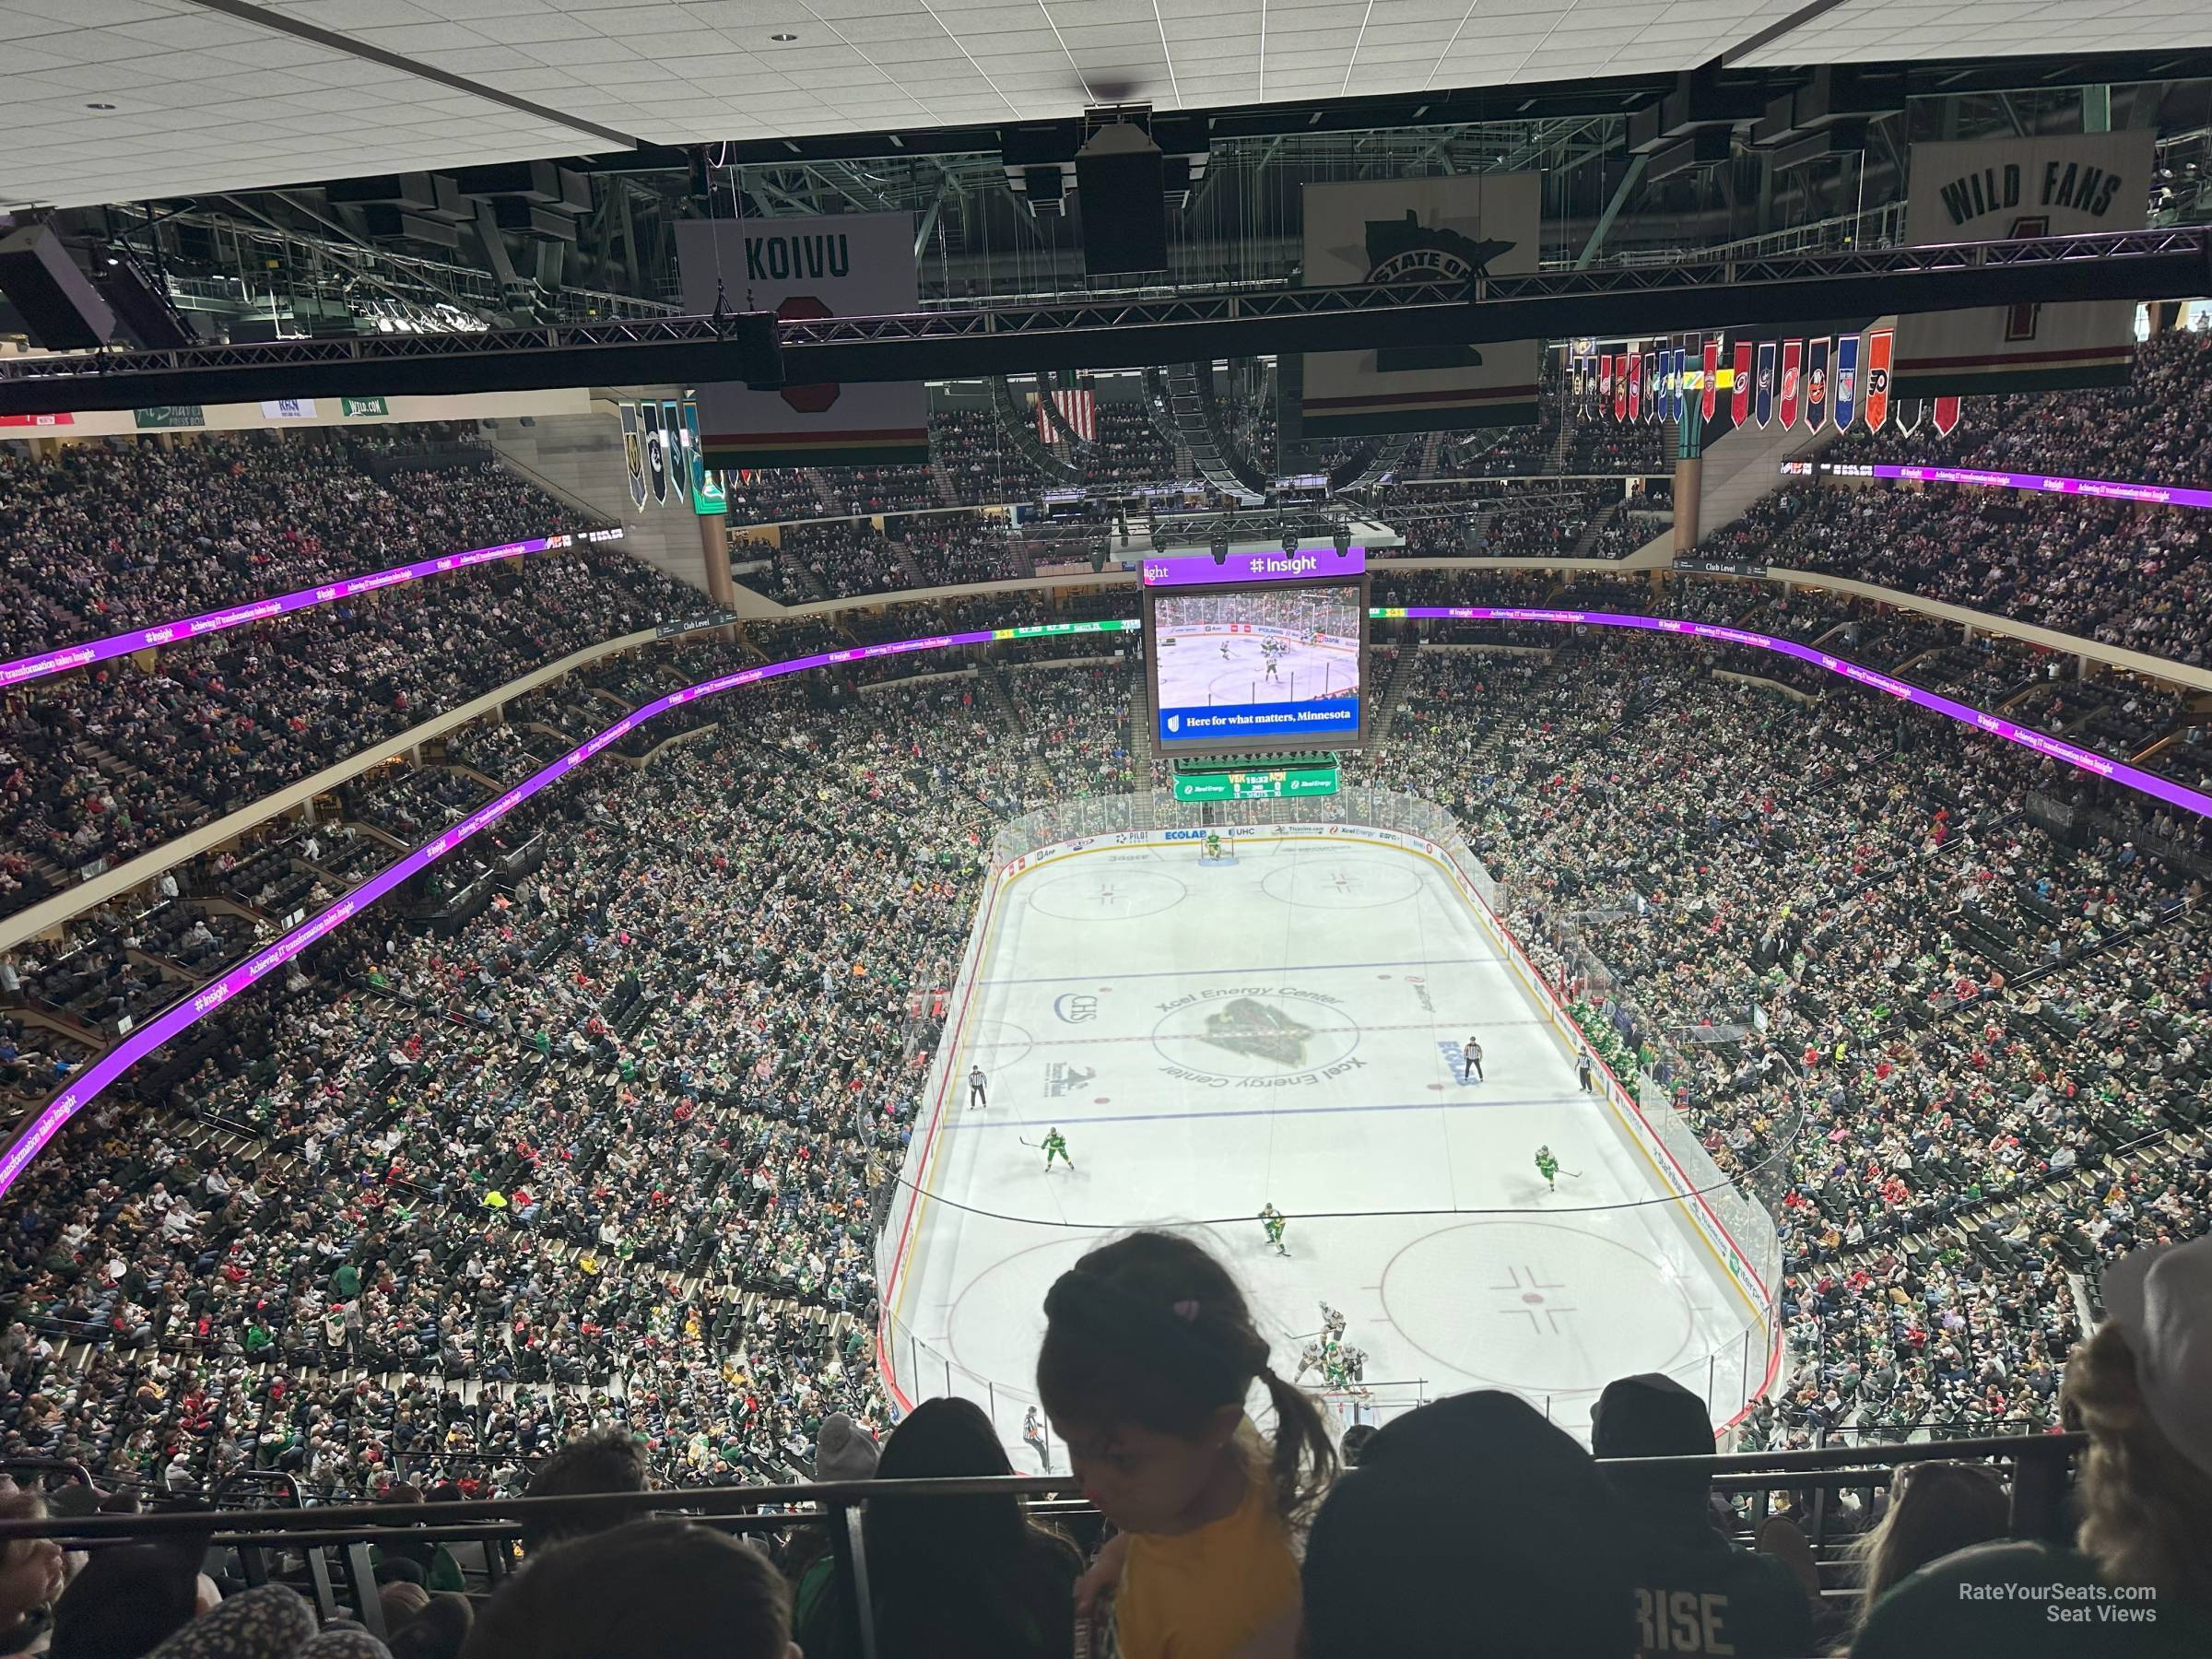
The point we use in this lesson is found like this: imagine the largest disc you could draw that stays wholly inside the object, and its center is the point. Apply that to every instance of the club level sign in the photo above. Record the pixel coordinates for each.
(1279, 783)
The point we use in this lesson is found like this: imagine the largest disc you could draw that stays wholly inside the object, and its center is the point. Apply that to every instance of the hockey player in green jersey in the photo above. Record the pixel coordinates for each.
(1055, 1146)
(1546, 1165)
(1272, 1219)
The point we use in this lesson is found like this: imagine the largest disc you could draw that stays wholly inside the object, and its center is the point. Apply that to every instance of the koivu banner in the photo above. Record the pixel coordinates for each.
(1401, 230)
(853, 265)
(2000, 189)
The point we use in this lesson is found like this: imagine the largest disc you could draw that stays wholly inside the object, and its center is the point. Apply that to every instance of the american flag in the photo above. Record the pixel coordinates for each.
(1079, 408)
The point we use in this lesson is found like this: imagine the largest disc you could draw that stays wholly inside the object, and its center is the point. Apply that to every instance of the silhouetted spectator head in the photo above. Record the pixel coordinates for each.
(1471, 1525)
(126, 1601)
(1652, 1415)
(2142, 1387)
(1934, 1509)
(608, 1461)
(657, 1586)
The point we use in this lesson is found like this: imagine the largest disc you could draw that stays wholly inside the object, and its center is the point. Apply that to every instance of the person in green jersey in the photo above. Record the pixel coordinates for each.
(1549, 1166)
(1055, 1146)
(1272, 1219)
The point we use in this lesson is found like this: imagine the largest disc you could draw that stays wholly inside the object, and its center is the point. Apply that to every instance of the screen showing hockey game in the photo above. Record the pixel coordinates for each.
(1242, 666)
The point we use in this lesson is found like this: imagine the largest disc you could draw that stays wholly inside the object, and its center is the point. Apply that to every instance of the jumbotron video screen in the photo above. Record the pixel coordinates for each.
(1242, 668)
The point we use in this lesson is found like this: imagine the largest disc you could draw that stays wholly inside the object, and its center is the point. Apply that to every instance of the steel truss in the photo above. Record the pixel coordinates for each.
(1645, 300)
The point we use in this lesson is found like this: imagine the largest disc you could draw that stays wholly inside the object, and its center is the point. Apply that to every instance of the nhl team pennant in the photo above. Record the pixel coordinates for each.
(1946, 416)
(1620, 386)
(1847, 381)
(1709, 395)
(633, 454)
(1635, 385)
(1815, 383)
(1879, 345)
(1739, 402)
(1911, 412)
(1792, 370)
(1764, 411)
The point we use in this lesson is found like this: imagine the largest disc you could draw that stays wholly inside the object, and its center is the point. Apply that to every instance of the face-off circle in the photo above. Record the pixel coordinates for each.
(1109, 894)
(1356, 881)
(1536, 1307)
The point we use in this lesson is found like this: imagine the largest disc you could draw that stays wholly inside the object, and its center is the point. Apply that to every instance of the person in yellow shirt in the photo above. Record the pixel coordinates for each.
(1149, 1354)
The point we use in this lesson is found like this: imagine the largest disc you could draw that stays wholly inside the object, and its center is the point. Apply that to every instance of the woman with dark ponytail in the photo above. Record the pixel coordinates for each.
(1149, 1356)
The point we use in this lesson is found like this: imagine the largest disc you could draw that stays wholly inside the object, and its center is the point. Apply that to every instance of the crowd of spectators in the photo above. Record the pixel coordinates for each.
(98, 765)
(2127, 573)
(103, 537)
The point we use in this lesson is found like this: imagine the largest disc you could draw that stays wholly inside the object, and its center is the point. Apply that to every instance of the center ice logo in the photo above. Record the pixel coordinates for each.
(1258, 1029)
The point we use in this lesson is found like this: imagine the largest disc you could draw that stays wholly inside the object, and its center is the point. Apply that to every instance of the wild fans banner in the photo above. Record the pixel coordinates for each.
(1998, 189)
(845, 265)
(1402, 230)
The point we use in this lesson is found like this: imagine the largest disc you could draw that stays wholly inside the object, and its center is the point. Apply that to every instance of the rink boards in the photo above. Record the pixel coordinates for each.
(972, 1221)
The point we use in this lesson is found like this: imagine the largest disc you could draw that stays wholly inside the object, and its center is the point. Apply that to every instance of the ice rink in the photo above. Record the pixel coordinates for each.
(1287, 1030)
(1208, 668)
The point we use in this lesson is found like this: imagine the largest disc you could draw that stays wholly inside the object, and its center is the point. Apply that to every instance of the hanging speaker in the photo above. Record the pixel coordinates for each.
(1120, 180)
(62, 309)
(145, 312)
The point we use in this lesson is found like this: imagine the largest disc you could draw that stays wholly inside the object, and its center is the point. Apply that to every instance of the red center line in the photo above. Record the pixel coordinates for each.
(1418, 1025)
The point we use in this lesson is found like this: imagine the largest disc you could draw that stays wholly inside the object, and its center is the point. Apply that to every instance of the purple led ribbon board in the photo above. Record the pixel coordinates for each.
(1277, 565)
(63, 658)
(96, 1077)
(2114, 490)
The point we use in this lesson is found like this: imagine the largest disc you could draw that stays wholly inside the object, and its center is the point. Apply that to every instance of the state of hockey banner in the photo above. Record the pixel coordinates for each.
(1847, 381)
(1792, 370)
(851, 264)
(1739, 396)
(1765, 391)
(1447, 230)
(1815, 383)
(2002, 189)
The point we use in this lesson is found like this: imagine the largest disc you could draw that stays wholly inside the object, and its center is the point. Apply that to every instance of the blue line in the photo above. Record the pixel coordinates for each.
(965, 1121)
(1054, 978)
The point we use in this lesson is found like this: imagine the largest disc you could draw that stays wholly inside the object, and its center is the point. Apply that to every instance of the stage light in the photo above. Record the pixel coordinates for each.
(1218, 547)
(1342, 541)
(1097, 553)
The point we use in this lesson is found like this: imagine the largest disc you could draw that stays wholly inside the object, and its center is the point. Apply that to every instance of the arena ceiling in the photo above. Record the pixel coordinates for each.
(116, 100)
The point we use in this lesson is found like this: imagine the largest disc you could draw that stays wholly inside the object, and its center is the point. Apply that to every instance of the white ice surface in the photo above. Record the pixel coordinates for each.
(1090, 1015)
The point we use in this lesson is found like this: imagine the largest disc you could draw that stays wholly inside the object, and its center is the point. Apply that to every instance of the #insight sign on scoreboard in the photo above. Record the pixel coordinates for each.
(1237, 666)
